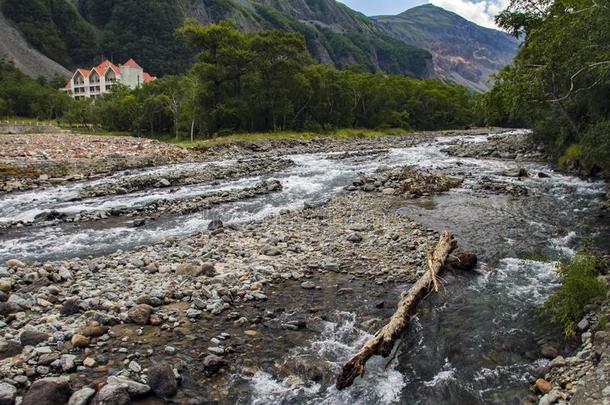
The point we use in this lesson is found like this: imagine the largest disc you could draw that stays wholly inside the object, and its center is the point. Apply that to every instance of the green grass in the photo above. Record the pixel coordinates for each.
(233, 138)
(279, 136)
(602, 321)
(26, 121)
(580, 288)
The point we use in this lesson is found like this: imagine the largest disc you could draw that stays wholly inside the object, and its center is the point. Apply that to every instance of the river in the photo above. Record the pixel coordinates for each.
(477, 342)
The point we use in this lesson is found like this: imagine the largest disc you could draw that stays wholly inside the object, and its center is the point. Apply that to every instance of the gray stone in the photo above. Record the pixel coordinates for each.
(82, 396)
(583, 325)
(271, 251)
(355, 238)
(7, 393)
(134, 388)
(112, 395)
(308, 285)
(553, 396)
(134, 366)
(67, 362)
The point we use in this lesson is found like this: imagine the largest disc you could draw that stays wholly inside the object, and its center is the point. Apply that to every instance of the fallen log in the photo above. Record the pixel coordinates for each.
(383, 341)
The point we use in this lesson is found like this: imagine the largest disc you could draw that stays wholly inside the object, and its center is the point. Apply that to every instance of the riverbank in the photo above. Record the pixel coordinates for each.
(256, 278)
(583, 377)
(29, 161)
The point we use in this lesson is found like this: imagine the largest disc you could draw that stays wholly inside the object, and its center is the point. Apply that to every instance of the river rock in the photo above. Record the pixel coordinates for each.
(550, 398)
(50, 390)
(7, 308)
(6, 284)
(461, 259)
(355, 238)
(93, 329)
(162, 380)
(32, 337)
(9, 348)
(558, 361)
(193, 269)
(7, 393)
(548, 351)
(82, 396)
(15, 264)
(271, 251)
(134, 388)
(140, 314)
(215, 225)
(583, 325)
(213, 363)
(111, 394)
(80, 341)
(308, 285)
(543, 385)
(69, 307)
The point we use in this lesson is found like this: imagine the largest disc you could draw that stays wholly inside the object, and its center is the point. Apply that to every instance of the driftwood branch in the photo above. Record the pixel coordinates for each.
(383, 341)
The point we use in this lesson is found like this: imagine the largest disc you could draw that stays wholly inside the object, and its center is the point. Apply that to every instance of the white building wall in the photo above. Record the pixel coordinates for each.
(132, 77)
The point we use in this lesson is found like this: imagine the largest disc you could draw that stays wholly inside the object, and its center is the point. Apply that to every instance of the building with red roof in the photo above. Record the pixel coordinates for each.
(99, 79)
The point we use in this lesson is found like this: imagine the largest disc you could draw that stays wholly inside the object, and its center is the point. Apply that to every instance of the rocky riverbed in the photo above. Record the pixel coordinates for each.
(250, 281)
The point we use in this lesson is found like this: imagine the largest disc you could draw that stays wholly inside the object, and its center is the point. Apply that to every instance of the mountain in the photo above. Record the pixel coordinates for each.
(79, 32)
(426, 41)
(463, 52)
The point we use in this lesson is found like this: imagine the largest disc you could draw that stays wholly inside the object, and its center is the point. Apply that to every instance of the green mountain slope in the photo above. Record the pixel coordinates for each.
(79, 32)
(462, 51)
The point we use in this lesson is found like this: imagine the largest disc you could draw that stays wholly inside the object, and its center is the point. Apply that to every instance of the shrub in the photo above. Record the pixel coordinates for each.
(580, 287)
(596, 148)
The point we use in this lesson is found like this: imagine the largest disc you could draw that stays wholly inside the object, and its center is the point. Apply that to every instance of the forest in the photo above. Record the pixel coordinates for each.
(559, 83)
(261, 81)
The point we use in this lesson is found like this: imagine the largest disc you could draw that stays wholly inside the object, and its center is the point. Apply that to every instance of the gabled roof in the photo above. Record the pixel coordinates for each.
(105, 65)
(68, 85)
(132, 63)
(148, 77)
(84, 72)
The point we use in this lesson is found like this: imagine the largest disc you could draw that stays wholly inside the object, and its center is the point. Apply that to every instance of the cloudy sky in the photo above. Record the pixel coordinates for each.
(481, 12)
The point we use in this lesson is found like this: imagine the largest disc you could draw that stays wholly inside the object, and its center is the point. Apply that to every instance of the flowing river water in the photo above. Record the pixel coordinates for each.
(478, 342)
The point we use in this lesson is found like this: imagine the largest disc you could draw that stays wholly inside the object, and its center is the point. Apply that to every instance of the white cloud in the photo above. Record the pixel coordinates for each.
(480, 12)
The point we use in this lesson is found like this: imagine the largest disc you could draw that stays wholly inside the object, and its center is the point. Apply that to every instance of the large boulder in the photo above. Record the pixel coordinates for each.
(50, 390)
(162, 380)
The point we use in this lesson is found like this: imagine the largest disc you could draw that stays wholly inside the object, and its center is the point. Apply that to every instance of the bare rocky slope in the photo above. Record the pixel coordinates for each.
(463, 52)
(14, 47)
